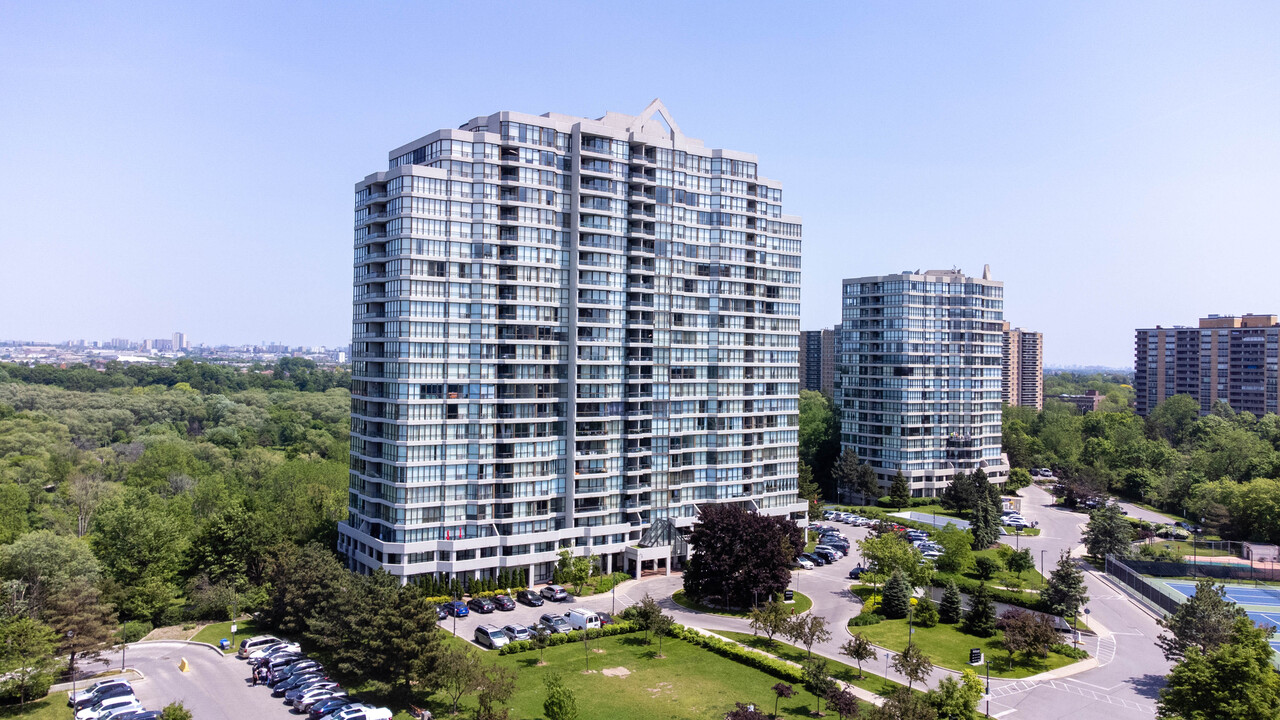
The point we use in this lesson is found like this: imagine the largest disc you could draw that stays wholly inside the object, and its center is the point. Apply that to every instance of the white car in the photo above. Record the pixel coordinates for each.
(96, 688)
(109, 707)
(931, 555)
(276, 649)
(804, 563)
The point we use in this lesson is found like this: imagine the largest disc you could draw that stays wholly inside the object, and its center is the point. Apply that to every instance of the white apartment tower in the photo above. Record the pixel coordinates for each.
(567, 334)
(918, 376)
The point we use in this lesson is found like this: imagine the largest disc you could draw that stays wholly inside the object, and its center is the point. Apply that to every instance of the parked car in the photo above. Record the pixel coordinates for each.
(582, 619)
(284, 685)
(441, 613)
(248, 645)
(834, 551)
(313, 698)
(138, 715)
(484, 606)
(276, 663)
(856, 572)
(529, 597)
(292, 697)
(329, 705)
(605, 619)
(504, 603)
(815, 559)
(826, 555)
(491, 636)
(805, 563)
(457, 608)
(110, 691)
(555, 623)
(120, 712)
(109, 706)
(275, 649)
(555, 593)
(517, 632)
(931, 555)
(1017, 523)
(96, 690)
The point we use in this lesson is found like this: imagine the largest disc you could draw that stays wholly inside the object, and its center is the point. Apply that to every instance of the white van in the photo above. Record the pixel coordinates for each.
(582, 619)
(247, 647)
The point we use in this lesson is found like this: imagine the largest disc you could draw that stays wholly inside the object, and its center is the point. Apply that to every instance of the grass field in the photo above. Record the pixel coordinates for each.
(53, 707)
(689, 683)
(839, 670)
(948, 647)
(802, 604)
(1026, 532)
(213, 633)
(1185, 549)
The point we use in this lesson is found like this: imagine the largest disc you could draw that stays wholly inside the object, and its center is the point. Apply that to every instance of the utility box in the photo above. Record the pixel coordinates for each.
(225, 644)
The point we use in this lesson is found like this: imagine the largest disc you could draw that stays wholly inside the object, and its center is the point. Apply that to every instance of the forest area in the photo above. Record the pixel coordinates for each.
(159, 495)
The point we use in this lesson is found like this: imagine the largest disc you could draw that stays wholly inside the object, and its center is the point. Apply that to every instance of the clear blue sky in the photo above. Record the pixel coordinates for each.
(189, 166)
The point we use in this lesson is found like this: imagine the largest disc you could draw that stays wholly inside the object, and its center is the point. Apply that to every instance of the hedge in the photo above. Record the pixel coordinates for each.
(1069, 651)
(968, 586)
(618, 628)
(737, 653)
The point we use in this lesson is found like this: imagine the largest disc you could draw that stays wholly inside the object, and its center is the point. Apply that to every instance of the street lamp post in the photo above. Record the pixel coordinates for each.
(1042, 563)
(70, 635)
(615, 599)
(987, 662)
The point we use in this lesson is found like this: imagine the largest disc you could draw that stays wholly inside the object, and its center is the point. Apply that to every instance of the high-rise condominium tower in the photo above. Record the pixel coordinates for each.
(818, 359)
(918, 382)
(1023, 380)
(1227, 358)
(568, 334)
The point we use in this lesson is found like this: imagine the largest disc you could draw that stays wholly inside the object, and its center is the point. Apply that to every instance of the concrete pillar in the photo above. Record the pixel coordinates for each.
(608, 564)
(667, 566)
(530, 574)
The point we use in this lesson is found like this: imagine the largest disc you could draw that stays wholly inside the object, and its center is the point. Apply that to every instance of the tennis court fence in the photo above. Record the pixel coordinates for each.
(1156, 595)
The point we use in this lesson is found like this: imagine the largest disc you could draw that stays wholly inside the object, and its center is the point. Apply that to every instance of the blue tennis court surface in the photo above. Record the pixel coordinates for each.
(1239, 594)
(1272, 619)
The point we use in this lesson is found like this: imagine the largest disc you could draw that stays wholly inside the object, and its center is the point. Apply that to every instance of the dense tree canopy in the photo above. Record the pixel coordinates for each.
(739, 555)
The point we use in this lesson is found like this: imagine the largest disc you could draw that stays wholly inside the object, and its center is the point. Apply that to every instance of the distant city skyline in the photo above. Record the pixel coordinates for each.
(1114, 163)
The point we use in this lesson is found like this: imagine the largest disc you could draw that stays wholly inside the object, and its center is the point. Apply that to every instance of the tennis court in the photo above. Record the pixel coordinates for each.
(1248, 596)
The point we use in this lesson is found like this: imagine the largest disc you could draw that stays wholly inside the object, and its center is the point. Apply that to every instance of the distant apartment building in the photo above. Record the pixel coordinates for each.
(1090, 401)
(1226, 358)
(818, 359)
(918, 381)
(1022, 380)
(180, 341)
(568, 334)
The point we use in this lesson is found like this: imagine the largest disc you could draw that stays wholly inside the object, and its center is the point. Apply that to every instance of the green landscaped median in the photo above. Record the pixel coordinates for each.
(948, 647)
(840, 671)
(802, 603)
(213, 633)
(53, 707)
(688, 682)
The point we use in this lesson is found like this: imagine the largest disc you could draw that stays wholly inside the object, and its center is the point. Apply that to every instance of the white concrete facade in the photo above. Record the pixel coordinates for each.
(565, 330)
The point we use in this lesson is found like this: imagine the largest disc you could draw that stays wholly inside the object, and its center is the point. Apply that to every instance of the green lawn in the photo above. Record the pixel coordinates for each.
(689, 683)
(948, 647)
(801, 604)
(1026, 532)
(53, 707)
(842, 671)
(1031, 579)
(213, 633)
(1186, 549)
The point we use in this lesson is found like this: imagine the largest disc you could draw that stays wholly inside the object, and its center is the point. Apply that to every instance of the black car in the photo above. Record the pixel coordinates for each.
(605, 619)
(504, 603)
(441, 613)
(484, 606)
(324, 707)
(530, 598)
(295, 681)
(856, 573)
(825, 555)
(139, 715)
(815, 559)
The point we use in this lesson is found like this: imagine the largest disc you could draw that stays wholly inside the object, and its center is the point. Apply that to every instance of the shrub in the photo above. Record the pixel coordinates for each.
(864, 619)
(11, 692)
(986, 566)
(1069, 651)
(1028, 600)
(926, 613)
(737, 653)
(134, 631)
(519, 646)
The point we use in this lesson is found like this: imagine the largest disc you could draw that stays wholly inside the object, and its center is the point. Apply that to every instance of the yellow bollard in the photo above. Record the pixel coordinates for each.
(184, 666)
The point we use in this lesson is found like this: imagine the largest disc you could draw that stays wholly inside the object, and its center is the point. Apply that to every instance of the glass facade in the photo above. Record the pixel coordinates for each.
(919, 376)
(565, 330)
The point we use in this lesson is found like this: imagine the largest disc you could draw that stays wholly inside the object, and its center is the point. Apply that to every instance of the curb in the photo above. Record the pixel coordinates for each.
(130, 674)
(188, 643)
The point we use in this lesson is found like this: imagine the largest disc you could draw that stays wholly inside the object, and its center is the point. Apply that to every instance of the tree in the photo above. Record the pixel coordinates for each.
(816, 679)
(959, 494)
(896, 601)
(925, 614)
(1234, 680)
(662, 626)
(981, 618)
(1066, 592)
(561, 704)
(84, 625)
(175, 711)
(890, 552)
(770, 618)
(913, 663)
(1108, 533)
(1026, 632)
(459, 671)
(900, 491)
(843, 702)
(808, 630)
(985, 525)
(1018, 479)
(86, 492)
(781, 690)
(956, 552)
(45, 561)
(540, 636)
(739, 555)
(902, 704)
(860, 649)
(1174, 418)
(951, 609)
(26, 655)
(957, 699)
(819, 438)
(300, 580)
(986, 566)
(496, 685)
(647, 613)
(845, 476)
(1020, 561)
(809, 490)
(1205, 621)
(575, 571)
